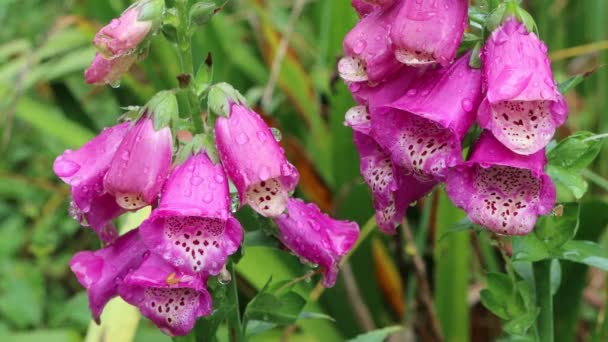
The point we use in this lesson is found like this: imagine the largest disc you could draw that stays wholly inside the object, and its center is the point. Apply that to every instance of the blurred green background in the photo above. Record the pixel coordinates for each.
(46, 107)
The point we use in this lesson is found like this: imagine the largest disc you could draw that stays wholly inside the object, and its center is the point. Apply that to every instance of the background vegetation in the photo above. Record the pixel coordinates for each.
(46, 108)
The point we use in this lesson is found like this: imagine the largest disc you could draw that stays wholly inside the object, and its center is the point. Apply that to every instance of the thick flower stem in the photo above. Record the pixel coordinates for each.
(235, 329)
(184, 51)
(544, 299)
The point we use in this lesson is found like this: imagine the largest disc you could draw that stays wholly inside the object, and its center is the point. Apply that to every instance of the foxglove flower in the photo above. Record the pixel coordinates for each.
(192, 227)
(84, 170)
(254, 161)
(108, 71)
(140, 166)
(367, 48)
(100, 272)
(522, 106)
(423, 129)
(364, 7)
(427, 32)
(316, 237)
(171, 299)
(122, 35)
(500, 189)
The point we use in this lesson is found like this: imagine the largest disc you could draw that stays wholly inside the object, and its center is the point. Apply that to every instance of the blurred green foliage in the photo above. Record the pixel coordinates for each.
(46, 108)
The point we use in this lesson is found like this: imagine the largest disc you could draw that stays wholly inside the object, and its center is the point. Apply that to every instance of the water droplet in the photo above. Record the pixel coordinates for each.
(412, 92)
(235, 203)
(224, 278)
(65, 168)
(467, 105)
(276, 134)
(242, 138)
(196, 180)
(114, 84)
(359, 46)
(125, 155)
(187, 192)
(261, 136)
(264, 173)
(208, 197)
(286, 169)
(146, 169)
(219, 178)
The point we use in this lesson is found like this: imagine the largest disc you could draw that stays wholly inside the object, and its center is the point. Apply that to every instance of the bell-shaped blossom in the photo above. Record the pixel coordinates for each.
(316, 237)
(140, 166)
(84, 170)
(393, 190)
(101, 271)
(423, 129)
(368, 49)
(522, 106)
(123, 34)
(427, 32)
(364, 7)
(171, 299)
(254, 161)
(192, 228)
(108, 71)
(502, 190)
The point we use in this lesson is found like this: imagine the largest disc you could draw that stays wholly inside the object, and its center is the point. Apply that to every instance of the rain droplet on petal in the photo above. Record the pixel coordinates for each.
(276, 134)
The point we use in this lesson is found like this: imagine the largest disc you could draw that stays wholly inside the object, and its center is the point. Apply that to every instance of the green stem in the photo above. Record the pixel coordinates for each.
(235, 328)
(493, 4)
(184, 51)
(544, 299)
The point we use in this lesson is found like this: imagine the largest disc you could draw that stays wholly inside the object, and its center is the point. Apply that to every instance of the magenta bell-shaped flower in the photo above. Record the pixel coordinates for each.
(522, 106)
(316, 237)
(84, 170)
(368, 50)
(192, 228)
(393, 190)
(101, 271)
(364, 7)
(502, 190)
(140, 165)
(423, 129)
(254, 161)
(427, 32)
(172, 300)
(108, 71)
(122, 35)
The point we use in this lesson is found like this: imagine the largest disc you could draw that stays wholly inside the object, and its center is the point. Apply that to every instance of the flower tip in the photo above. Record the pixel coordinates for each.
(352, 69)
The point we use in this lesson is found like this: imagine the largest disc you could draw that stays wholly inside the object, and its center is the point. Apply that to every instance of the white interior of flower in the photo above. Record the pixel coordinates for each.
(414, 58)
(357, 115)
(173, 306)
(352, 69)
(268, 198)
(130, 201)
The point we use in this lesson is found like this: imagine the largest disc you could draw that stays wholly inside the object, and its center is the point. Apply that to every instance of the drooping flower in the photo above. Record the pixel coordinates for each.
(122, 35)
(84, 170)
(101, 271)
(108, 71)
(423, 129)
(393, 190)
(522, 106)
(192, 228)
(169, 298)
(254, 161)
(500, 189)
(140, 165)
(368, 50)
(316, 237)
(427, 32)
(364, 7)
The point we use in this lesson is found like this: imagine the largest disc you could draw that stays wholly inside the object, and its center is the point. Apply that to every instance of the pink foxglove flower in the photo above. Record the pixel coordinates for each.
(192, 228)
(122, 35)
(423, 129)
(108, 71)
(316, 237)
(427, 32)
(364, 7)
(101, 271)
(172, 300)
(84, 170)
(140, 165)
(254, 161)
(368, 50)
(500, 189)
(522, 106)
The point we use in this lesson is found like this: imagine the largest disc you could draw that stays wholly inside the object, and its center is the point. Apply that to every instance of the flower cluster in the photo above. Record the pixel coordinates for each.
(163, 266)
(417, 102)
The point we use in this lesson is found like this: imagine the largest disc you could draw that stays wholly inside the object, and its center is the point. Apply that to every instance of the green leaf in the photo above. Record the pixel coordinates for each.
(22, 294)
(556, 276)
(500, 284)
(376, 335)
(267, 307)
(555, 230)
(521, 324)
(529, 248)
(164, 108)
(259, 238)
(570, 179)
(460, 226)
(44, 335)
(315, 315)
(573, 81)
(585, 252)
(576, 151)
(202, 11)
(204, 75)
(494, 303)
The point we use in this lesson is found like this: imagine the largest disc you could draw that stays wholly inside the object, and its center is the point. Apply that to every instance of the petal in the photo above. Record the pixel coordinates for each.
(103, 210)
(122, 35)
(108, 71)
